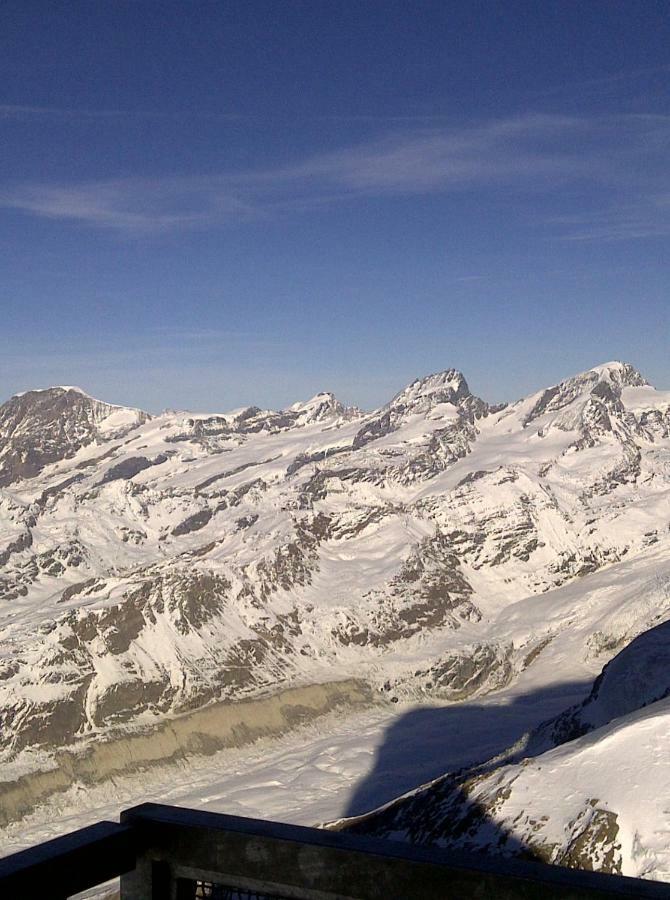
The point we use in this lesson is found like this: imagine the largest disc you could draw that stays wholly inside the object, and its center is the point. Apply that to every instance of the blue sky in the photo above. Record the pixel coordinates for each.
(208, 204)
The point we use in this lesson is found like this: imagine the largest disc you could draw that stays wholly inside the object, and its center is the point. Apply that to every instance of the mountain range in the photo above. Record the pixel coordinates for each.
(157, 568)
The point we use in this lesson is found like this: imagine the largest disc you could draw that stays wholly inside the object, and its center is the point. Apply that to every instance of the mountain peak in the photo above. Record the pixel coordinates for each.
(443, 396)
(69, 393)
(448, 386)
(620, 374)
(43, 426)
(604, 381)
(320, 407)
(55, 389)
(322, 399)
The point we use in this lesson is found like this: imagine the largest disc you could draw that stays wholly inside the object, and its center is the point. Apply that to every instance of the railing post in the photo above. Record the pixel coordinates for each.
(161, 881)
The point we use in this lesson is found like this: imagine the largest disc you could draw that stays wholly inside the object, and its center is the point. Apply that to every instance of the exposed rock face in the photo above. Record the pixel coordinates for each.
(153, 565)
(468, 813)
(43, 427)
(473, 670)
(638, 676)
(599, 386)
(445, 395)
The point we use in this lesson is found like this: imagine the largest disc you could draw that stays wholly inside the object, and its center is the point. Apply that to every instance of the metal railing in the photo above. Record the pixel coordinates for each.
(169, 853)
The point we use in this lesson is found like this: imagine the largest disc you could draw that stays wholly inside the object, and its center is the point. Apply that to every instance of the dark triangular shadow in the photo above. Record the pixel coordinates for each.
(440, 739)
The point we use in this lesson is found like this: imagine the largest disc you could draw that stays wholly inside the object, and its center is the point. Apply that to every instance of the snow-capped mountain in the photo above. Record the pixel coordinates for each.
(436, 548)
(42, 427)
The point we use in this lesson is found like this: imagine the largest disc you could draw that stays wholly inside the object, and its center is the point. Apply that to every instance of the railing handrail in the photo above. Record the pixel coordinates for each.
(158, 814)
(68, 864)
(334, 848)
(305, 862)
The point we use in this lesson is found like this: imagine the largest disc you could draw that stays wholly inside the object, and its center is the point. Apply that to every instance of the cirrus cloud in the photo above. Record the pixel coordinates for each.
(624, 158)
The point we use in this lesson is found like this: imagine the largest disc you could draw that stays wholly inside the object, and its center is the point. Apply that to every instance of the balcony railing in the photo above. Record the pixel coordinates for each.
(169, 853)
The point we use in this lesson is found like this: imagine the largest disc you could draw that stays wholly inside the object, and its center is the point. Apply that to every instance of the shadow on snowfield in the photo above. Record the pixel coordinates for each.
(449, 739)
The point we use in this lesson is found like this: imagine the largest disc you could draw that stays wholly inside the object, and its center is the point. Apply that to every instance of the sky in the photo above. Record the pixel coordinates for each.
(205, 205)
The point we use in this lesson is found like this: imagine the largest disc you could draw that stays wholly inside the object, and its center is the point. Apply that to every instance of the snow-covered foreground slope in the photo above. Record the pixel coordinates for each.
(587, 788)
(436, 550)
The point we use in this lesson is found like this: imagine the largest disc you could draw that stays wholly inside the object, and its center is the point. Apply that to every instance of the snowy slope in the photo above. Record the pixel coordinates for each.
(438, 549)
(587, 788)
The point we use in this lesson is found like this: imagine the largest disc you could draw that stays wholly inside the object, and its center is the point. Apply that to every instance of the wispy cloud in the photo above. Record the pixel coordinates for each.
(446, 159)
(648, 217)
(133, 206)
(603, 83)
(623, 156)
